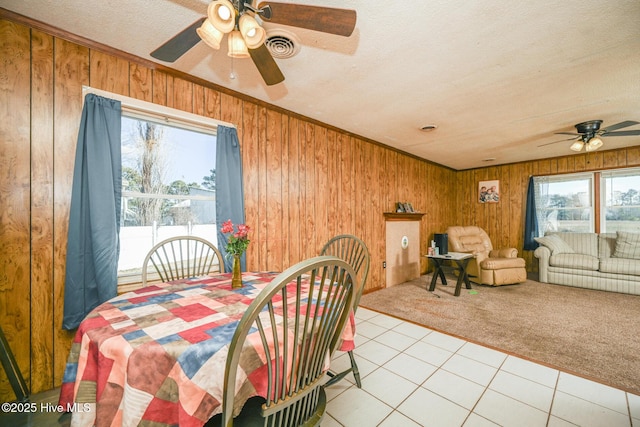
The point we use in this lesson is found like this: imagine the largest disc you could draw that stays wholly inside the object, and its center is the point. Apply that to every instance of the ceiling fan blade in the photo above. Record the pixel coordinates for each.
(620, 125)
(330, 20)
(562, 140)
(266, 65)
(179, 44)
(623, 133)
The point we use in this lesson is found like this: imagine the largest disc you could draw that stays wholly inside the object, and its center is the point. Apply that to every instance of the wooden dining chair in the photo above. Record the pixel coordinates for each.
(306, 335)
(182, 257)
(355, 252)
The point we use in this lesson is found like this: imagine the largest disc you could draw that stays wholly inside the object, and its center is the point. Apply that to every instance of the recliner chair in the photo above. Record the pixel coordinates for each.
(490, 266)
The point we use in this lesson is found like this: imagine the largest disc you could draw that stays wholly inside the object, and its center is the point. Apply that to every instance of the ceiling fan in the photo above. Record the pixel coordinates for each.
(246, 36)
(589, 134)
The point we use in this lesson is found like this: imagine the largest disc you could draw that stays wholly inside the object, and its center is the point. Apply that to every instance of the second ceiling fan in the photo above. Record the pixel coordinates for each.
(589, 133)
(246, 36)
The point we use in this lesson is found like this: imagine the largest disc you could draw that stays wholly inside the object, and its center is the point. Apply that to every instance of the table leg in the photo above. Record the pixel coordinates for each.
(462, 276)
(437, 273)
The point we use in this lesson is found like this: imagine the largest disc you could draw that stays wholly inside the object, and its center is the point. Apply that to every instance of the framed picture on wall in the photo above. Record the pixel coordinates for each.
(489, 191)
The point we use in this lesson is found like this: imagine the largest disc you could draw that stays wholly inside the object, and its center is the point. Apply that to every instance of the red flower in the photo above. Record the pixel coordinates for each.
(227, 227)
(237, 242)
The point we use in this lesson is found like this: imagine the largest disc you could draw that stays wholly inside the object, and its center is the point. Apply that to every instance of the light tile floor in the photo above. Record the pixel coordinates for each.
(414, 376)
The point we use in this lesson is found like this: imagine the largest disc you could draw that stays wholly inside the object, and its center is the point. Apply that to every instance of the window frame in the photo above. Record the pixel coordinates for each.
(148, 111)
(604, 175)
(598, 192)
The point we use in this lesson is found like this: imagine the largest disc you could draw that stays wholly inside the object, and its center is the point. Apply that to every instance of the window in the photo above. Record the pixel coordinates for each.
(620, 200)
(565, 203)
(168, 188)
(568, 202)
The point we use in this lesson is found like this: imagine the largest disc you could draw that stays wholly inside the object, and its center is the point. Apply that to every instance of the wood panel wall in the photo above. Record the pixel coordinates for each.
(304, 181)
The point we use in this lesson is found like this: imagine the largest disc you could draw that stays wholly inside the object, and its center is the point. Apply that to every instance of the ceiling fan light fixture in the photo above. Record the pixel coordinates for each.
(594, 144)
(237, 46)
(210, 34)
(577, 146)
(254, 35)
(222, 15)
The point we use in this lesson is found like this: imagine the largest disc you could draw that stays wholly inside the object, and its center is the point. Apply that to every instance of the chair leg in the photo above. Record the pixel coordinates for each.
(13, 371)
(354, 368)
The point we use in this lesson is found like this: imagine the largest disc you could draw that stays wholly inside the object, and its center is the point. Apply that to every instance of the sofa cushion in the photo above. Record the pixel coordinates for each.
(581, 243)
(606, 245)
(627, 245)
(555, 244)
(579, 261)
(620, 266)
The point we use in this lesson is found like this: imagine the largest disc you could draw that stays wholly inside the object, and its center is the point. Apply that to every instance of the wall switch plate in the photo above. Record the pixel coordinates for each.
(384, 264)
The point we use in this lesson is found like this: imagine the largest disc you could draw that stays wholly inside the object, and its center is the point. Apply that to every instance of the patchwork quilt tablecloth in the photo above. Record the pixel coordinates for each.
(156, 356)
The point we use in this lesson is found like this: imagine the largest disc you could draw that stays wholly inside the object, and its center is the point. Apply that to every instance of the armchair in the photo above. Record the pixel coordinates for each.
(490, 266)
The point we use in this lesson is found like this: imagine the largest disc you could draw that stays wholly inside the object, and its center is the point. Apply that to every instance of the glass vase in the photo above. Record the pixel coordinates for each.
(236, 277)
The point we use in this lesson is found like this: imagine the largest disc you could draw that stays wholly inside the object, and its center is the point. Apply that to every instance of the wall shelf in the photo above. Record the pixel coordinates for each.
(403, 216)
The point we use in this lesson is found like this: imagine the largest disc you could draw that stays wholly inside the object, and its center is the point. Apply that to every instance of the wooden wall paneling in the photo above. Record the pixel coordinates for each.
(393, 197)
(595, 160)
(580, 162)
(291, 187)
(261, 190)
(212, 105)
(511, 206)
(368, 192)
(346, 187)
(633, 156)
(323, 198)
(622, 157)
(159, 88)
(274, 165)
(311, 200)
(373, 216)
(15, 196)
(285, 200)
(250, 173)
(141, 83)
(609, 159)
(199, 101)
(462, 213)
(334, 225)
(71, 72)
(42, 229)
(364, 189)
(182, 96)
(108, 73)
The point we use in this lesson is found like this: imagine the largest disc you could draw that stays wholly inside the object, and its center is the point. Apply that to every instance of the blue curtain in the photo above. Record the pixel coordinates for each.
(94, 221)
(531, 229)
(229, 190)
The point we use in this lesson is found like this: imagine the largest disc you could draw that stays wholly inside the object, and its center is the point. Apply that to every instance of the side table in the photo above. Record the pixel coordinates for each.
(461, 261)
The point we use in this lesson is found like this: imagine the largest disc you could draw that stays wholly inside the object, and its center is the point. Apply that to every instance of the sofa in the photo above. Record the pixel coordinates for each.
(489, 266)
(607, 262)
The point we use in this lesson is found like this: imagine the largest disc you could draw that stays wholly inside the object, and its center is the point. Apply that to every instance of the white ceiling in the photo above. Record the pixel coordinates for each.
(497, 77)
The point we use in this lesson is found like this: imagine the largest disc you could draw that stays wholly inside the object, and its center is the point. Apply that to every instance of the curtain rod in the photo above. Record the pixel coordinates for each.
(133, 105)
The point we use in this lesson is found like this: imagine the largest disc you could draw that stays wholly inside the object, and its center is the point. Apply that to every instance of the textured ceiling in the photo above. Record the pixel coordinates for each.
(497, 78)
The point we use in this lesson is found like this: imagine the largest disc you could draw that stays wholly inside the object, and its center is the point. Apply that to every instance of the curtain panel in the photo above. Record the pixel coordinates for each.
(531, 229)
(229, 188)
(94, 219)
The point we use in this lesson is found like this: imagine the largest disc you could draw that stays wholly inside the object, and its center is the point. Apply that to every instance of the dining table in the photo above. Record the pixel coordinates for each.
(156, 355)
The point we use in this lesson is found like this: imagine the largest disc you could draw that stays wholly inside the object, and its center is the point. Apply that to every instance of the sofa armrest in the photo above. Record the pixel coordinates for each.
(504, 253)
(543, 254)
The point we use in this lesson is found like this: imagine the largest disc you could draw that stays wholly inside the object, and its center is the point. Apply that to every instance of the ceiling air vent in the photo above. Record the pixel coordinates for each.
(282, 44)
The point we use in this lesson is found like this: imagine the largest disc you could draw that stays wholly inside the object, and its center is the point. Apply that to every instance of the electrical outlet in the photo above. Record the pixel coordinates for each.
(384, 264)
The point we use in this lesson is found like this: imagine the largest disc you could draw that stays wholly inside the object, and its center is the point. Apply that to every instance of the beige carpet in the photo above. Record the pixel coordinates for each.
(593, 334)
